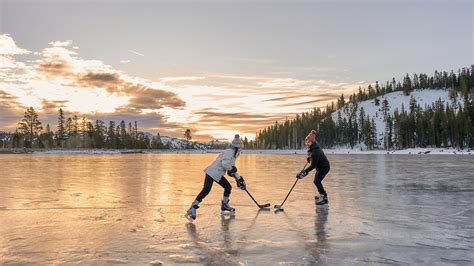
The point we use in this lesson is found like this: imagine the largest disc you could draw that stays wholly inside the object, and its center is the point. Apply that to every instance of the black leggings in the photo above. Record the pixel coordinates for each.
(318, 179)
(208, 185)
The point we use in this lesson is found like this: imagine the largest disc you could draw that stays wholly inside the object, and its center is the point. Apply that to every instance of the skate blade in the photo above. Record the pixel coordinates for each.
(189, 218)
(228, 213)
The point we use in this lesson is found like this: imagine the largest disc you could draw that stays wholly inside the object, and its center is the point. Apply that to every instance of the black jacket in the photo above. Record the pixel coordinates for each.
(318, 158)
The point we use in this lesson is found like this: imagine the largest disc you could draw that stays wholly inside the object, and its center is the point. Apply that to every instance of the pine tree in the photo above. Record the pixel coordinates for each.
(373, 134)
(413, 105)
(416, 82)
(461, 122)
(388, 142)
(367, 133)
(188, 136)
(407, 87)
(69, 127)
(123, 134)
(341, 102)
(99, 134)
(385, 108)
(453, 96)
(30, 126)
(156, 142)
(75, 125)
(46, 138)
(135, 131)
(61, 132)
(376, 101)
(84, 124)
(111, 142)
(361, 123)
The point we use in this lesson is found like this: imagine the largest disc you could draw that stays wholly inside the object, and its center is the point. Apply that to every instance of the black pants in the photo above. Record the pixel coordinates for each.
(208, 181)
(318, 179)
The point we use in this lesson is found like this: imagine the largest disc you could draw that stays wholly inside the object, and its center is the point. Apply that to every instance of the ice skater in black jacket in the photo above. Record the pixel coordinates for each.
(319, 161)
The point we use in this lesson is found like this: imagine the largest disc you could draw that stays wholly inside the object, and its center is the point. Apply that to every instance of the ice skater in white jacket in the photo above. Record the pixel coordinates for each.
(215, 172)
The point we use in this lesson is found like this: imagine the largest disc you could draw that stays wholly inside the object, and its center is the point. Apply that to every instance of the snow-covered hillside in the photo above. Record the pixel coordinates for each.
(4, 136)
(396, 100)
(178, 144)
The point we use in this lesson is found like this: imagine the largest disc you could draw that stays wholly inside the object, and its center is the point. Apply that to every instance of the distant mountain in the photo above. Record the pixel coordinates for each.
(178, 144)
(4, 136)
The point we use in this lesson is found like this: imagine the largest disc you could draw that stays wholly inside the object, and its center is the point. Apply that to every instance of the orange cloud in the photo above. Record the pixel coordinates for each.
(212, 104)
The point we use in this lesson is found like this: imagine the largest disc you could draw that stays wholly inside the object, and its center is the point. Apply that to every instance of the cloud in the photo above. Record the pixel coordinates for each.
(285, 98)
(8, 46)
(60, 78)
(54, 66)
(283, 83)
(62, 43)
(101, 80)
(141, 96)
(124, 62)
(98, 75)
(305, 95)
(211, 104)
(244, 122)
(145, 121)
(147, 98)
(228, 95)
(306, 103)
(176, 79)
(53, 106)
(10, 110)
(135, 52)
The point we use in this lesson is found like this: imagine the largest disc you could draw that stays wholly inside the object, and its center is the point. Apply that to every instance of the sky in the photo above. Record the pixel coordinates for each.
(216, 67)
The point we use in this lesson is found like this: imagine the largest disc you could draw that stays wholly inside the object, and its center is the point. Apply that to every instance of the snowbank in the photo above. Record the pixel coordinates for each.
(420, 151)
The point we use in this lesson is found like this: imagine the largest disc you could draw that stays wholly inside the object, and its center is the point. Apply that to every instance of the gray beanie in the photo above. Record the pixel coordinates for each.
(237, 142)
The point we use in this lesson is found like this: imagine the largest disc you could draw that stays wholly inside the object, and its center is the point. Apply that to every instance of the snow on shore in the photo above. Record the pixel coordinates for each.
(426, 151)
(421, 151)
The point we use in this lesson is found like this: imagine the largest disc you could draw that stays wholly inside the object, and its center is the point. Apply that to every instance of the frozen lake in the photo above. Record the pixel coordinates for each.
(96, 209)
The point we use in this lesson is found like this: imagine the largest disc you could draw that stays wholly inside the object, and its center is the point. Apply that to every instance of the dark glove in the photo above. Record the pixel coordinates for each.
(241, 183)
(301, 174)
(308, 160)
(232, 171)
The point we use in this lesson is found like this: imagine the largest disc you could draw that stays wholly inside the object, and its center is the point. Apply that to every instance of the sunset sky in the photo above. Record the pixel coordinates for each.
(216, 67)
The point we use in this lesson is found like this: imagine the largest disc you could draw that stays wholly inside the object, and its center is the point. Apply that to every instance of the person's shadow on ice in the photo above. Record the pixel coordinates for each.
(214, 255)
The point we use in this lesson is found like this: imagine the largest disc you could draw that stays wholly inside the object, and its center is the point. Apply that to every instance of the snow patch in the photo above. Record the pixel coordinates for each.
(396, 100)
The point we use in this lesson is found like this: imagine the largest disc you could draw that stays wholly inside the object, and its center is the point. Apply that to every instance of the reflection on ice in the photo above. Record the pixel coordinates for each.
(97, 209)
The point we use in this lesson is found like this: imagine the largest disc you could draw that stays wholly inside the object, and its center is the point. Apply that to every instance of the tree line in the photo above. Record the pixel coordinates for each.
(441, 124)
(80, 132)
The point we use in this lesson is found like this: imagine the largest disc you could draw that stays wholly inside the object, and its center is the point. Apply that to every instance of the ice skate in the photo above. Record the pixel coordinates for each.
(191, 213)
(322, 201)
(226, 208)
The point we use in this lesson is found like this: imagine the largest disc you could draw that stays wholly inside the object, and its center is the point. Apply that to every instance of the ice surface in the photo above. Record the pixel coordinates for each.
(128, 208)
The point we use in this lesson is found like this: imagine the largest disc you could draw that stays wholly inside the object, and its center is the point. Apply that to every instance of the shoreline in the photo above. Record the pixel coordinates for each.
(414, 151)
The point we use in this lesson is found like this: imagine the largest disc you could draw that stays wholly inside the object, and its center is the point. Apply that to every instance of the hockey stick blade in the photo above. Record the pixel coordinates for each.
(260, 206)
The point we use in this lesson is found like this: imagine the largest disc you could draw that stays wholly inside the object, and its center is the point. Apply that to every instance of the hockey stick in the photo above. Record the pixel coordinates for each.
(280, 207)
(266, 205)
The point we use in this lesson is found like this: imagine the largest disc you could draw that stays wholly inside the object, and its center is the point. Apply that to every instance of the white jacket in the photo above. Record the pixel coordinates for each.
(221, 164)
